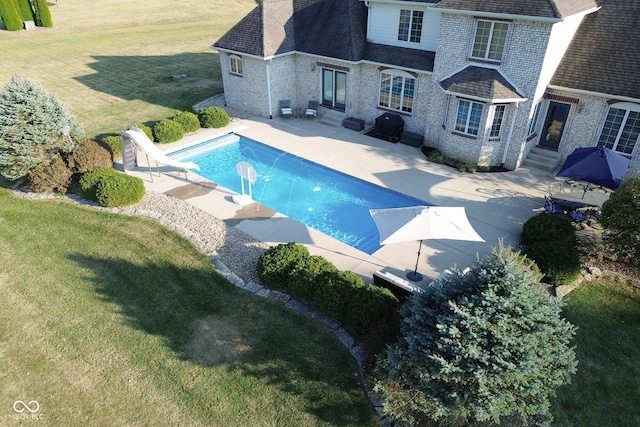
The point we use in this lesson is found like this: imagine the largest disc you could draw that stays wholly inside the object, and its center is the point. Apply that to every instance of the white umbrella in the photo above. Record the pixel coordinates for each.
(420, 223)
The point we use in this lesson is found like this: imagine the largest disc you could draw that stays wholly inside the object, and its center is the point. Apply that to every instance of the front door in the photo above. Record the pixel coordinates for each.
(334, 89)
(554, 125)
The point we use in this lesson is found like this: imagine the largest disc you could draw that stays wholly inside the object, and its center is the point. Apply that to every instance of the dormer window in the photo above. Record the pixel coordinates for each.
(410, 26)
(489, 40)
(236, 64)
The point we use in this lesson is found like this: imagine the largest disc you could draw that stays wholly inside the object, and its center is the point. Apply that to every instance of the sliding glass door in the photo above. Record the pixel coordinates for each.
(334, 88)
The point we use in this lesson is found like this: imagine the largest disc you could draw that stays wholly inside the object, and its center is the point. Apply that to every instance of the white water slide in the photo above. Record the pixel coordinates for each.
(142, 141)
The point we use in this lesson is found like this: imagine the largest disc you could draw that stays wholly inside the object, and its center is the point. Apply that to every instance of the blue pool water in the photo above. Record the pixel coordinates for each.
(324, 199)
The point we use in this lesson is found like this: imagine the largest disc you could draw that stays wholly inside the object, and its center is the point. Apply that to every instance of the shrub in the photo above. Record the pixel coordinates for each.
(336, 291)
(119, 190)
(558, 261)
(89, 181)
(10, 15)
(89, 155)
(146, 129)
(341, 295)
(438, 157)
(369, 307)
(114, 144)
(42, 13)
(546, 228)
(304, 274)
(33, 124)
(166, 131)
(213, 117)
(25, 10)
(275, 264)
(50, 177)
(621, 219)
(188, 121)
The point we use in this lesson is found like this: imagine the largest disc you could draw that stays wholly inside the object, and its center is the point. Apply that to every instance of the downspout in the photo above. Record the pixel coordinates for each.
(513, 125)
(269, 90)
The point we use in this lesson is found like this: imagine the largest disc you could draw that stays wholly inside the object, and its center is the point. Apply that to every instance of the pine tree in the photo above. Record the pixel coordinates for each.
(34, 128)
(479, 348)
(42, 13)
(10, 15)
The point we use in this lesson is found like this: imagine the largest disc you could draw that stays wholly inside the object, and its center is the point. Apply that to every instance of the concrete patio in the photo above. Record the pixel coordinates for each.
(497, 204)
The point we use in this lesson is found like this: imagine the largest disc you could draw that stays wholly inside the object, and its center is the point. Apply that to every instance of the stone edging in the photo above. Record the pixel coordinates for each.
(357, 352)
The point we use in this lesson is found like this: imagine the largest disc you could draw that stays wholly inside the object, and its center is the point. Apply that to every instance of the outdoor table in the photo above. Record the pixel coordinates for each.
(580, 199)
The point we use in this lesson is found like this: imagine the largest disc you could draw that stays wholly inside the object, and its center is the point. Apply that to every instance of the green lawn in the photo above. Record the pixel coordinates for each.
(115, 320)
(112, 62)
(606, 389)
(112, 320)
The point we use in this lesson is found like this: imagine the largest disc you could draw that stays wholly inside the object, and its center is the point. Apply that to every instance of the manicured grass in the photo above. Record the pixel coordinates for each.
(115, 320)
(112, 62)
(606, 389)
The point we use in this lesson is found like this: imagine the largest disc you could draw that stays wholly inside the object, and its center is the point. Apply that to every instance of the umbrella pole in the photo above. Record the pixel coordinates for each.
(414, 276)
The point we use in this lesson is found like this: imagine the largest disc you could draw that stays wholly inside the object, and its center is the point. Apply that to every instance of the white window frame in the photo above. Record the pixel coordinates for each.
(492, 36)
(627, 109)
(414, 30)
(533, 121)
(464, 126)
(499, 112)
(235, 65)
(386, 98)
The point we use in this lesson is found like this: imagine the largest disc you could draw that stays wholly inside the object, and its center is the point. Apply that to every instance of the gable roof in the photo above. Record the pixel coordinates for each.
(331, 28)
(537, 8)
(485, 84)
(603, 56)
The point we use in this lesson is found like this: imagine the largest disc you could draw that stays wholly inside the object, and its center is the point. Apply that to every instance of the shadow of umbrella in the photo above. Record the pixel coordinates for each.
(397, 225)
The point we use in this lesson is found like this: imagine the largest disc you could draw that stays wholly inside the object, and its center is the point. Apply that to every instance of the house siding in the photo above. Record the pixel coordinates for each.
(585, 125)
(384, 20)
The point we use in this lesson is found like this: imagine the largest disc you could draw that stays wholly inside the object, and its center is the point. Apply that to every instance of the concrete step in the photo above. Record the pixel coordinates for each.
(540, 158)
(332, 118)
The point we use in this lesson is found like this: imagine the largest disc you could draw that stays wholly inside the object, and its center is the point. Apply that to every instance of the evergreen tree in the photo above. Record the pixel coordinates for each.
(10, 15)
(25, 10)
(479, 348)
(42, 13)
(34, 128)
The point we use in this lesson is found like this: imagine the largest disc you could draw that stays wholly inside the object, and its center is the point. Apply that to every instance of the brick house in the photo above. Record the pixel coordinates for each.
(493, 82)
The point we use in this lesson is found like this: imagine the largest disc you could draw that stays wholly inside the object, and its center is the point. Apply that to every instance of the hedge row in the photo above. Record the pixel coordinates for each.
(171, 130)
(550, 241)
(341, 295)
(15, 12)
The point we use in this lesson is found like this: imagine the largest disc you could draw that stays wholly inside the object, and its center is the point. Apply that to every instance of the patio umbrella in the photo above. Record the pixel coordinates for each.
(595, 165)
(420, 223)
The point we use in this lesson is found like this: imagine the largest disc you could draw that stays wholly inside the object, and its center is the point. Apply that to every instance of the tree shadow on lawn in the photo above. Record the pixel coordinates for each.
(207, 320)
(173, 81)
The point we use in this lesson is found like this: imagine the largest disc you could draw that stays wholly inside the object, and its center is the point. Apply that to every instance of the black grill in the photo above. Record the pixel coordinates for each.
(389, 126)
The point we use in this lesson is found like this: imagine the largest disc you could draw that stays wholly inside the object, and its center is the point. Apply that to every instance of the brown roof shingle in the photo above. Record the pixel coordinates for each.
(537, 8)
(603, 56)
(480, 82)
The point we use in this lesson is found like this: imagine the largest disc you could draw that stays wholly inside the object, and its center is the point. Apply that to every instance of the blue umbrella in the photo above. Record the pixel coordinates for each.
(595, 165)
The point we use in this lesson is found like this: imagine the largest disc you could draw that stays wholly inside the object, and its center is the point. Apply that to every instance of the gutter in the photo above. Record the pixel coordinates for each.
(597, 94)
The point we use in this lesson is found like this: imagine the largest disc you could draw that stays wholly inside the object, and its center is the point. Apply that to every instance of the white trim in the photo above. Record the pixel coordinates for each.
(591, 93)
(512, 16)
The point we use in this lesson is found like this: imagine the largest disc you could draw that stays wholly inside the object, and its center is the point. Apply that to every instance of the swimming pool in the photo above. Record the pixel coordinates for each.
(329, 201)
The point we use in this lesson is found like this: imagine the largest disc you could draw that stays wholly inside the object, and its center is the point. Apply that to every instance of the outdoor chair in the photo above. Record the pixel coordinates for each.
(578, 217)
(312, 110)
(285, 108)
(552, 208)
